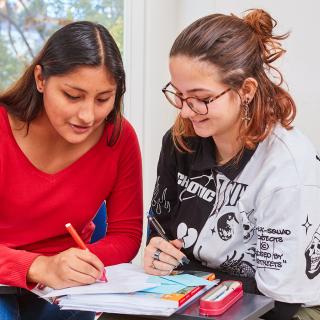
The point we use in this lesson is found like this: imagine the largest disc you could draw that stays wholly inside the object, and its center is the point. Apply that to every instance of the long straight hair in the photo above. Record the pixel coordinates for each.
(77, 44)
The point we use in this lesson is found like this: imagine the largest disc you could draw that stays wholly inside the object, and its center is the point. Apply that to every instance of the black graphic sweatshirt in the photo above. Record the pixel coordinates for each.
(258, 217)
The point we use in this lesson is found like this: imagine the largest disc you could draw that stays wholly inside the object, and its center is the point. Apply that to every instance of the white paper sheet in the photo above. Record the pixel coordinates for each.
(135, 280)
(138, 303)
(120, 294)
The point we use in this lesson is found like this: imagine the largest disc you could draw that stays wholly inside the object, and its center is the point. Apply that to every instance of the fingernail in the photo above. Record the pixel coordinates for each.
(41, 286)
(184, 260)
(104, 276)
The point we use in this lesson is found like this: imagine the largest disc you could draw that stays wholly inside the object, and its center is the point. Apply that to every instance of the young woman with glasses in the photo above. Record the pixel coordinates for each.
(238, 187)
(65, 148)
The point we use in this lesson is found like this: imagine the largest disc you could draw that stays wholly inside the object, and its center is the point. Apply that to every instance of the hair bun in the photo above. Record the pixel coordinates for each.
(261, 22)
(262, 25)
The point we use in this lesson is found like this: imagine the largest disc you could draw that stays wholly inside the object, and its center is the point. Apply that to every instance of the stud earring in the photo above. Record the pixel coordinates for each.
(245, 105)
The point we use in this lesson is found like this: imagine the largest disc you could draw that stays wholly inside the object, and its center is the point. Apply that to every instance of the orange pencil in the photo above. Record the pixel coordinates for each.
(74, 234)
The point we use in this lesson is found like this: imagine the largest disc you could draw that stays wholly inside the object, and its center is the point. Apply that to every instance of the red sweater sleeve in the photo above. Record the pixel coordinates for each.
(124, 205)
(14, 266)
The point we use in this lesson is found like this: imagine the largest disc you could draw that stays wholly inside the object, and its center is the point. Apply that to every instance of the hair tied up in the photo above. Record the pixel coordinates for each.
(263, 24)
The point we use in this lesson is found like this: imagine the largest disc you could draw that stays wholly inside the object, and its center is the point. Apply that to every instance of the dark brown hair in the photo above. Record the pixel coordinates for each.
(239, 48)
(77, 44)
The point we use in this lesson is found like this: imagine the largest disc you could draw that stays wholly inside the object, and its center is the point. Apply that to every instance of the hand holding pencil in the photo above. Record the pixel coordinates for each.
(70, 268)
(74, 234)
(162, 255)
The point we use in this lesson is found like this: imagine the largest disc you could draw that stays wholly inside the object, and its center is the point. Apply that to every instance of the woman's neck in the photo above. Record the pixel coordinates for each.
(226, 149)
(43, 146)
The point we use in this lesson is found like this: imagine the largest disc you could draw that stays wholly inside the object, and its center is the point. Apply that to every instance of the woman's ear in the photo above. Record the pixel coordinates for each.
(248, 89)
(39, 78)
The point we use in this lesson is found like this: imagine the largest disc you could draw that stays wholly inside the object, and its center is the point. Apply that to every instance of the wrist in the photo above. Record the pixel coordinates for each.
(37, 270)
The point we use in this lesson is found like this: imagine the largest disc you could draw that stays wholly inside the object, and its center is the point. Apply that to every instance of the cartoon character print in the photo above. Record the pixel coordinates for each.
(248, 224)
(222, 225)
(238, 267)
(312, 255)
(226, 226)
(187, 235)
(159, 202)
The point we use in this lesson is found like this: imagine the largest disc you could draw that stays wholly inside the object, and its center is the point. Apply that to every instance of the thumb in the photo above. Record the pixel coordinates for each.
(178, 243)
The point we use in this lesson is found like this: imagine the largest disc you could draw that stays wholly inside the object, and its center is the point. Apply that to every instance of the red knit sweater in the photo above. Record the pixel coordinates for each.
(35, 206)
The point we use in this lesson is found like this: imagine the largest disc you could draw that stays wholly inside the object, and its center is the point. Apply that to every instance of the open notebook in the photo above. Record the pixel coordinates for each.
(130, 291)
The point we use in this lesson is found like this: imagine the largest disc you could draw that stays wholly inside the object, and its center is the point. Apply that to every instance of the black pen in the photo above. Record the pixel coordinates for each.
(162, 234)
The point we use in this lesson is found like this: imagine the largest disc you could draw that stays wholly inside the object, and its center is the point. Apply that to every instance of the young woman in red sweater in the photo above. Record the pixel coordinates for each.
(64, 149)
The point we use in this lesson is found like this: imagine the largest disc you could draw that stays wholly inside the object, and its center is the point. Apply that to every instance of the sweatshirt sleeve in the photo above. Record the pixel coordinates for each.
(165, 191)
(288, 245)
(124, 206)
(14, 266)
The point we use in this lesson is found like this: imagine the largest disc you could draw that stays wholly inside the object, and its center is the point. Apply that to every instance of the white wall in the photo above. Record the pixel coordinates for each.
(300, 66)
(160, 31)
(150, 31)
(163, 20)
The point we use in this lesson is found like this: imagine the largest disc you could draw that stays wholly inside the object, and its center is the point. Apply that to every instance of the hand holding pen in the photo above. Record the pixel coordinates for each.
(69, 268)
(77, 239)
(162, 255)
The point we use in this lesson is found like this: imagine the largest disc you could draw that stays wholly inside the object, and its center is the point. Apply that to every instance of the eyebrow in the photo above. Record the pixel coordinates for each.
(199, 89)
(193, 90)
(82, 90)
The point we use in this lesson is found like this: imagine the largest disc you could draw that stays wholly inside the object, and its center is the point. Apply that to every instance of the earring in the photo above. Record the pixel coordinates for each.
(245, 105)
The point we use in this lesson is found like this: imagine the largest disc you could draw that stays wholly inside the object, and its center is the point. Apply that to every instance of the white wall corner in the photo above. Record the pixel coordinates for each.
(134, 63)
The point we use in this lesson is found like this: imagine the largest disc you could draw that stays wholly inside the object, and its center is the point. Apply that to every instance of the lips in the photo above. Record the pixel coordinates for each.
(199, 122)
(80, 129)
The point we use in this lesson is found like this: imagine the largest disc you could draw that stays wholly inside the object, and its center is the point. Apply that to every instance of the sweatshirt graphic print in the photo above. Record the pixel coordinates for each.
(258, 217)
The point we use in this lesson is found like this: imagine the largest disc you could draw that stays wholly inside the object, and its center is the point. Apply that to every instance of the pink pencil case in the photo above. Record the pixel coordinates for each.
(220, 298)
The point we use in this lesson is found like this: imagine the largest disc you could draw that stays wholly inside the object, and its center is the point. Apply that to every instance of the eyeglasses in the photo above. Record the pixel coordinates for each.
(199, 106)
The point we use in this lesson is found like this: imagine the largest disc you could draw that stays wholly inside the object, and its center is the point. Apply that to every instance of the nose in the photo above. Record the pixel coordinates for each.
(86, 113)
(186, 111)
